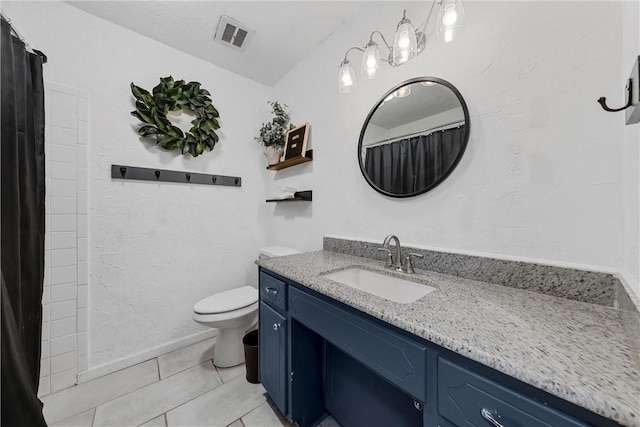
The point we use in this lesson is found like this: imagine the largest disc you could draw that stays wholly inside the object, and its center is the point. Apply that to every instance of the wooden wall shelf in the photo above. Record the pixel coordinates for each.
(292, 162)
(299, 196)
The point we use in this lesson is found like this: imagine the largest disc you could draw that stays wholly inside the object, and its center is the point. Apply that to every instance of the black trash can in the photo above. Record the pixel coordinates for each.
(250, 342)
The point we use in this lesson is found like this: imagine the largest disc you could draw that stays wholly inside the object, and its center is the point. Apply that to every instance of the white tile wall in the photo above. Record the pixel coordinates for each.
(66, 290)
(62, 345)
(62, 327)
(63, 309)
(62, 239)
(63, 274)
(63, 205)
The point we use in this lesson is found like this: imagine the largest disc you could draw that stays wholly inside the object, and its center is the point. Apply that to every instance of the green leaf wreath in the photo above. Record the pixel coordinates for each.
(172, 95)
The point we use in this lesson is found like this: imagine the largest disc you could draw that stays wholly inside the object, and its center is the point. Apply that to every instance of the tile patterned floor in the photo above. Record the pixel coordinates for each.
(178, 389)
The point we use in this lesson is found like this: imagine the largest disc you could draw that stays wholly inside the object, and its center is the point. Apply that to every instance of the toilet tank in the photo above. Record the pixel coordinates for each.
(276, 251)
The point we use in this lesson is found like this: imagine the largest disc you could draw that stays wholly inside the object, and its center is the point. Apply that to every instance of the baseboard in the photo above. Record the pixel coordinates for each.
(125, 362)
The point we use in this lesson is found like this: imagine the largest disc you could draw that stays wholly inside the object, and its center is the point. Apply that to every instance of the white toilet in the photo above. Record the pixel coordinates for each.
(233, 313)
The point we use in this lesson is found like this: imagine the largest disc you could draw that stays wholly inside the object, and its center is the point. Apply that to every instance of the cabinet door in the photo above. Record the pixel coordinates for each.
(272, 352)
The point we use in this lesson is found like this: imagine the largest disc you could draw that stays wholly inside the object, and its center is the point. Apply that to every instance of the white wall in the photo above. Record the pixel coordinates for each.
(155, 249)
(542, 175)
(631, 149)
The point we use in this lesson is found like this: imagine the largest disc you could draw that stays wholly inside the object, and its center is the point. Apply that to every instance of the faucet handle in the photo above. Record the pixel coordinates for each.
(389, 257)
(408, 267)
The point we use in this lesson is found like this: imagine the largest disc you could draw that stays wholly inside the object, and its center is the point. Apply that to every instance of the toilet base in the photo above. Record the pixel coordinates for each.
(228, 350)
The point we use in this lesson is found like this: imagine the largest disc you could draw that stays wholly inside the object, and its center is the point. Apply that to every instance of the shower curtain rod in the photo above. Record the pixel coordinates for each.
(17, 34)
(386, 141)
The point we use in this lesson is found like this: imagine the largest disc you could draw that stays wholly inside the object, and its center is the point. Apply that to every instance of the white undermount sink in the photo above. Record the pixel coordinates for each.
(382, 285)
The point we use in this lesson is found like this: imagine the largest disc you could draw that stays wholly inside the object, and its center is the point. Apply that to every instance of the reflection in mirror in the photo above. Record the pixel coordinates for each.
(414, 137)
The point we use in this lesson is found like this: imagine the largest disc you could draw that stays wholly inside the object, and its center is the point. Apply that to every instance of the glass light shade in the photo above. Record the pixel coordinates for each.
(405, 44)
(450, 20)
(370, 61)
(346, 77)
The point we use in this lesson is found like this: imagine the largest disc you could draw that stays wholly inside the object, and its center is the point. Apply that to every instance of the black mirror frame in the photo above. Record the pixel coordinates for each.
(453, 165)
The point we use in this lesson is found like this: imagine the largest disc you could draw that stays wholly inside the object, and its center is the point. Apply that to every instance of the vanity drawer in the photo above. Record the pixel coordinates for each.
(273, 291)
(391, 355)
(469, 399)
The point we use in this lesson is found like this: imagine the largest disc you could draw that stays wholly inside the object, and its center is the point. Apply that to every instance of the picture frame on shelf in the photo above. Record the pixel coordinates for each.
(296, 141)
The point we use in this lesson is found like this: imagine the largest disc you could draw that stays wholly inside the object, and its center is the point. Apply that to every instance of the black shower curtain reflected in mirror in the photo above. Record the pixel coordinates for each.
(411, 165)
(22, 257)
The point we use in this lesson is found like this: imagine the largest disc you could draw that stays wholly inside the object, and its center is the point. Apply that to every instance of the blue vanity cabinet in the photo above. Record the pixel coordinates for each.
(318, 355)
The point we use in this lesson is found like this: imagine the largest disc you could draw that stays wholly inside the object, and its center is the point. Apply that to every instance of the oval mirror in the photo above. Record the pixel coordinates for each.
(414, 137)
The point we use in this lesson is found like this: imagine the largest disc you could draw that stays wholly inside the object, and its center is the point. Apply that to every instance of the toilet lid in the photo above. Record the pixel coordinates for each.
(230, 300)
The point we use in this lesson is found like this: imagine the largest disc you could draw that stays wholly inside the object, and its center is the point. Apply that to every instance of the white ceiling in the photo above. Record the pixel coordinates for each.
(285, 31)
(424, 101)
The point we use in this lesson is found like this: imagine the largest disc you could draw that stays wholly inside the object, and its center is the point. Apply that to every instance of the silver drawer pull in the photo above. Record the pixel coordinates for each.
(276, 326)
(272, 291)
(487, 416)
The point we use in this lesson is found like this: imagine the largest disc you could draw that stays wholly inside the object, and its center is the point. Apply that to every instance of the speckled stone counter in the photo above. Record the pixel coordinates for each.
(574, 350)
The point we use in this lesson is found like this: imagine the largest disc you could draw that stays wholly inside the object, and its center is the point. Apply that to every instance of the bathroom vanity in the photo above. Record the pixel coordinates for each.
(469, 353)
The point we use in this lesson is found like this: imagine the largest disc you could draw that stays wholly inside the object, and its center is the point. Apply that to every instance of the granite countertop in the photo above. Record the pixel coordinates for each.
(574, 350)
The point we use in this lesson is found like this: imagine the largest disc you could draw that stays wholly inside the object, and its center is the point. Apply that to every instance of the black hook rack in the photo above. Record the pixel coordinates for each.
(146, 174)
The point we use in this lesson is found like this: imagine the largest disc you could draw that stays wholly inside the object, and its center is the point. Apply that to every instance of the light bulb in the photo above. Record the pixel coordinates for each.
(448, 35)
(370, 61)
(346, 77)
(450, 15)
(403, 39)
(347, 80)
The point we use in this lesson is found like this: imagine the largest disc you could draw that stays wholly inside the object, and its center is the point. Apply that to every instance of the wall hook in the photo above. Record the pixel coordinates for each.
(236, 181)
(603, 101)
(214, 179)
(157, 174)
(123, 171)
(188, 177)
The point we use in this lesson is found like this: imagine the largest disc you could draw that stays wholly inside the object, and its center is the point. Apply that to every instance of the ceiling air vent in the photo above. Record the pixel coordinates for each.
(233, 33)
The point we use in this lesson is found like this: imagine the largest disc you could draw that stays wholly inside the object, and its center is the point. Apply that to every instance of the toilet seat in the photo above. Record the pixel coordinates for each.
(224, 302)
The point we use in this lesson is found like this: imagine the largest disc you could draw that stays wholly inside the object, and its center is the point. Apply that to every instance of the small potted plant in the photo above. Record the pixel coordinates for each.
(273, 134)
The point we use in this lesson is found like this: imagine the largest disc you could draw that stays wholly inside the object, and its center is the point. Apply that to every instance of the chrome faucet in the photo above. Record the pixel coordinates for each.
(395, 261)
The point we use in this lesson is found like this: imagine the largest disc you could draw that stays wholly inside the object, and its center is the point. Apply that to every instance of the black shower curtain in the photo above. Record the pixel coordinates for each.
(411, 165)
(22, 210)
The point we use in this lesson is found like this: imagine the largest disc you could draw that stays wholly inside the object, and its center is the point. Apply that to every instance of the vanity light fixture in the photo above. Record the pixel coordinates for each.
(407, 43)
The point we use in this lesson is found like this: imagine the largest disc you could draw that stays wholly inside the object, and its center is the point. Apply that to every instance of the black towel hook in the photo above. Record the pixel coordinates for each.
(188, 175)
(603, 101)
(157, 174)
(123, 171)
